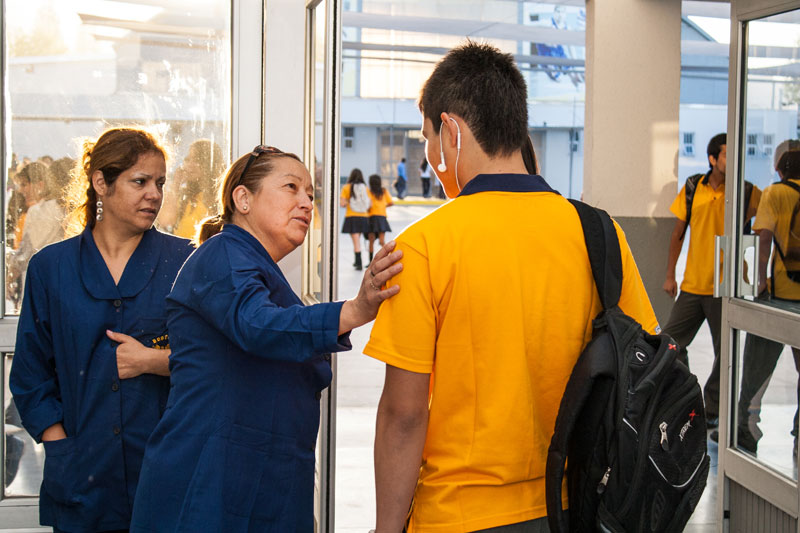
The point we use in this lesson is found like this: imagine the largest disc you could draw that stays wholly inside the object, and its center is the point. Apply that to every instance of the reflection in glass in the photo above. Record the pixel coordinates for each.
(24, 458)
(77, 68)
(317, 166)
(768, 397)
(770, 156)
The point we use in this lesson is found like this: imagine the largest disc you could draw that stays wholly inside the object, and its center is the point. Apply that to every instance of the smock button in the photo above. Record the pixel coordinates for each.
(117, 303)
(116, 430)
(115, 386)
(318, 395)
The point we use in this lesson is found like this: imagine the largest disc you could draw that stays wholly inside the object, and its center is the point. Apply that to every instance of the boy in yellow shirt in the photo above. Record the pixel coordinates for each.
(696, 303)
(496, 306)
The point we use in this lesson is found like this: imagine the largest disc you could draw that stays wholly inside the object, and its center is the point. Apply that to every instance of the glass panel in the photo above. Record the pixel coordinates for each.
(767, 399)
(770, 158)
(316, 116)
(77, 68)
(24, 458)
(389, 49)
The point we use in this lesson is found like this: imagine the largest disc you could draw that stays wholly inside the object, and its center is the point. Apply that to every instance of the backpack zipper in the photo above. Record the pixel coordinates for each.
(664, 441)
(601, 487)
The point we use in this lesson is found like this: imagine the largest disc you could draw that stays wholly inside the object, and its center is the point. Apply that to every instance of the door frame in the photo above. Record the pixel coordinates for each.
(739, 314)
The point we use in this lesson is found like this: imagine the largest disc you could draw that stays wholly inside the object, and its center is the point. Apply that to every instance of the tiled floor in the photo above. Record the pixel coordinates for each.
(360, 380)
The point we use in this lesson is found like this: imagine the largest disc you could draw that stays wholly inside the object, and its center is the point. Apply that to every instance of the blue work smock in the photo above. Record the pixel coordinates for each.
(234, 451)
(65, 370)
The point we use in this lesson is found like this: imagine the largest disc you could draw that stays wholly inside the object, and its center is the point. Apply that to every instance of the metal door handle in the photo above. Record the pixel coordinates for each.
(720, 244)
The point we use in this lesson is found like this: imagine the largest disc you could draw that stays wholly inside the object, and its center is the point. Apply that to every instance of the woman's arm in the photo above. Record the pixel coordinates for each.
(33, 380)
(233, 297)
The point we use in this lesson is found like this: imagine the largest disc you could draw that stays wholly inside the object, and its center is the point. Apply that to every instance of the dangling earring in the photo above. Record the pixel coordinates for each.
(99, 210)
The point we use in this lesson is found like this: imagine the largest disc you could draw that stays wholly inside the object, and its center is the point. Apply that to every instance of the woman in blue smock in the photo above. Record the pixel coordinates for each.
(234, 451)
(89, 374)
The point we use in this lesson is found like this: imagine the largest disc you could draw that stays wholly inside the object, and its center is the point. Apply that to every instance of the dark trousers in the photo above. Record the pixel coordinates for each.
(688, 314)
(759, 360)
(531, 526)
(401, 185)
(426, 187)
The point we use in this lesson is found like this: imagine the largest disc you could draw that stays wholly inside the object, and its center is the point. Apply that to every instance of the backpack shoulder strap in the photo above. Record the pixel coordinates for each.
(689, 189)
(748, 194)
(605, 257)
(791, 184)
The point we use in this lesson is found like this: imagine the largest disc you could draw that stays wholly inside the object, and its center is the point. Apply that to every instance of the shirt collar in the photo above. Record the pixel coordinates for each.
(137, 274)
(247, 238)
(506, 183)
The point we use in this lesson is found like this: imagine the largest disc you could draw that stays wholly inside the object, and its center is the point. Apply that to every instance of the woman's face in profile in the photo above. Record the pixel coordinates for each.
(135, 197)
(280, 212)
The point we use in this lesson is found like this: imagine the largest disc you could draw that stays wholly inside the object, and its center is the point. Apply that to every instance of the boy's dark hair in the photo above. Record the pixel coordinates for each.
(484, 87)
(715, 145)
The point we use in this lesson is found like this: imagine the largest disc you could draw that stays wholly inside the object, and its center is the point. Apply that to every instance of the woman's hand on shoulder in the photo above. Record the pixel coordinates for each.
(374, 290)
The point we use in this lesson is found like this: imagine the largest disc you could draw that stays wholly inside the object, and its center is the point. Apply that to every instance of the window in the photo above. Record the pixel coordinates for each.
(752, 144)
(348, 137)
(77, 68)
(73, 70)
(767, 144)
(687, 146)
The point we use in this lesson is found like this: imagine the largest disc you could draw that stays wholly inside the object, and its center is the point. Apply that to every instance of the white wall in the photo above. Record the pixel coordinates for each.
(363, 155)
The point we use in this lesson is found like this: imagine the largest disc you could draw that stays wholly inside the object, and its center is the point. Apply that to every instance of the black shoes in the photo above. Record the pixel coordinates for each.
(744, 439)
(358, 261)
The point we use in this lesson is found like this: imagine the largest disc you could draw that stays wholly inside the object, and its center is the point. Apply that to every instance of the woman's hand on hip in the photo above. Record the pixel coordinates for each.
(373, 291)
(135, 359)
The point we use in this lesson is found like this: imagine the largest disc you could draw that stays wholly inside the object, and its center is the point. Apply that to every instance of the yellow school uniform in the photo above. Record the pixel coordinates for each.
(774, 214)
(497, 302)
(708, 221)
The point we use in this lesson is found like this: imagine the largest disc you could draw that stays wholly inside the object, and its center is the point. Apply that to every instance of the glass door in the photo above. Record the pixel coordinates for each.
(761, 309)
(69, 70)
(322, 125)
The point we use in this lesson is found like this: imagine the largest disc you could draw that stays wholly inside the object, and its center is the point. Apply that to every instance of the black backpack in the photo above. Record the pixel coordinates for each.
(691, 187)
(631, 421)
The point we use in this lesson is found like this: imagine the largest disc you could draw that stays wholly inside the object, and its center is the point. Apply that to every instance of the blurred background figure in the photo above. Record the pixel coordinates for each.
(192, 194)
(380, 199)
(425, 178)
(41, 224)
(356, 219)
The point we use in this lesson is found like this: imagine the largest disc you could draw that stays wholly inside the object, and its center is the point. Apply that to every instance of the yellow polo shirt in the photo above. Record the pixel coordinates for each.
(379, 205)
(774, 214)
(708, 221)
(496, 302)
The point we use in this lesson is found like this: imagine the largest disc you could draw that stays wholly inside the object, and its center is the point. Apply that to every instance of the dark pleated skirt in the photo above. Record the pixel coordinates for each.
(379, 224)
(356, 225)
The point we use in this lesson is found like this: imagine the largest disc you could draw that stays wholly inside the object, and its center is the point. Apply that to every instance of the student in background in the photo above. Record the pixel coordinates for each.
(380, 199)
(355, 198)
(696, 302)
(425, 178)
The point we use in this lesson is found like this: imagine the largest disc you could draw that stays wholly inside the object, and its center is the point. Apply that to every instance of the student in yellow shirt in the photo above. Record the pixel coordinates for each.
(356, 219)
(496, 306)
(378, 225)
(777, 221)
(696, 303)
